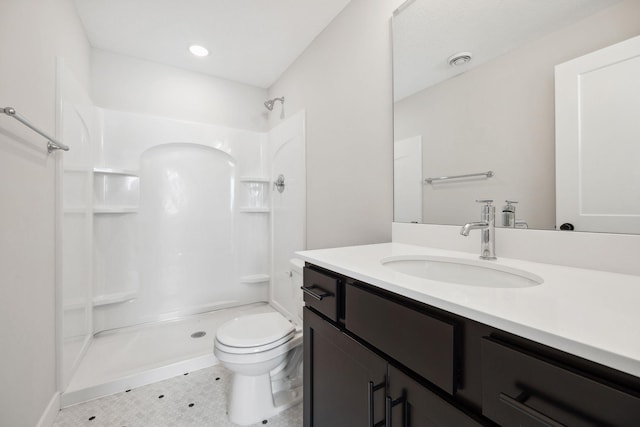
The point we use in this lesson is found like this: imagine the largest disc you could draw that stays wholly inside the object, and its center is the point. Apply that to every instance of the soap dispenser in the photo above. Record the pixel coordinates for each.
(509, 214)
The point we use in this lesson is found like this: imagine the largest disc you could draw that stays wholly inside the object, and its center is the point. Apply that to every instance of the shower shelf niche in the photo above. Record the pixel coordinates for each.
(253, 198)
(116, 191)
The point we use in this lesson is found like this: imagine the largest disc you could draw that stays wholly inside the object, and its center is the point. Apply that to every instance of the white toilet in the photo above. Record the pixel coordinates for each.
(264, 352)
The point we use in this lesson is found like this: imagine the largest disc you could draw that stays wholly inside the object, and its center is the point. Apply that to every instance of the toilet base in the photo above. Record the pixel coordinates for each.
(251, 399)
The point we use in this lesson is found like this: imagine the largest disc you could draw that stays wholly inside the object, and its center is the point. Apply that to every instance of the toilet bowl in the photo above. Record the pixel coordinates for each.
(264, 352)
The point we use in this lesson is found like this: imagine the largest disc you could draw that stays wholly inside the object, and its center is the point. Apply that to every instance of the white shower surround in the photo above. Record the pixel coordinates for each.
(174, 274)
(183, 223)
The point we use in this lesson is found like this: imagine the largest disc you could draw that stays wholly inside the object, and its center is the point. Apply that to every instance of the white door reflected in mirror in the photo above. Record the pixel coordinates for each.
(407, 180)
(598, 140)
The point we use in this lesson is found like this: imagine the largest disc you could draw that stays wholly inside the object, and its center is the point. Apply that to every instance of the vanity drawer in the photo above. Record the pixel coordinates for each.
(521, 388)
(321, 292)
(422, 343)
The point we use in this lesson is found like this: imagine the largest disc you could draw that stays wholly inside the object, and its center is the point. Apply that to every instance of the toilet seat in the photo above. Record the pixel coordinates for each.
(254, 333)
(259, 349)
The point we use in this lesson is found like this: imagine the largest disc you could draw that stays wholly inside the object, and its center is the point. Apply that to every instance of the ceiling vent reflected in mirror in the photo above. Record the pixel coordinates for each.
(459, 59)
(426, 31)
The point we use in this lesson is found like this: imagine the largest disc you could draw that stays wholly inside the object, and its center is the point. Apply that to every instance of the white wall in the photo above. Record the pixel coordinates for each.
(128, 84)
(343, 81)
(32, 34)
(500, 116)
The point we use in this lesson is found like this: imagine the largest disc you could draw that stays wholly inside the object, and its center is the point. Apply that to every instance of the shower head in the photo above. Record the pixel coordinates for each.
(269, 103)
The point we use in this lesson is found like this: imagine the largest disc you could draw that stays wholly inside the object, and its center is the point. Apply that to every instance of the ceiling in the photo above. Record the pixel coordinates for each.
(250, 41)
(427, 32)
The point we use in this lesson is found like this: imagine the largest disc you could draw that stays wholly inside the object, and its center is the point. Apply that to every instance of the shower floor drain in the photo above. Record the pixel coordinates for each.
(198, 334)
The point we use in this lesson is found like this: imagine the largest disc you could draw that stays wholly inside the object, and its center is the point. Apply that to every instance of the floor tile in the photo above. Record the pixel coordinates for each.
(197, 398)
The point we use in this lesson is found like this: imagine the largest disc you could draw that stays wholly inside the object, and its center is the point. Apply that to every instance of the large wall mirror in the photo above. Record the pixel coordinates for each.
(475, 97)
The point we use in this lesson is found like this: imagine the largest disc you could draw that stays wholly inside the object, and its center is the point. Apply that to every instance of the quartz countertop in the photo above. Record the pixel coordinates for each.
(588, 313)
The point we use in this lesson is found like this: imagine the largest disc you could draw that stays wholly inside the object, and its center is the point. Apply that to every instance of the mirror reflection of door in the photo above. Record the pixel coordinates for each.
(598, 140)
(407, 180)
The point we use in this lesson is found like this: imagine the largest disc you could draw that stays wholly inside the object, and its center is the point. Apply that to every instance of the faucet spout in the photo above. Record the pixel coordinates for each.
(487, 225)
(473, 226)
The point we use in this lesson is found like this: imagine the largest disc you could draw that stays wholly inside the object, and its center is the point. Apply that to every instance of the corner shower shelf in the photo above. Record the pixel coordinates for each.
(255, 210)
(255, 278)
(114, 298)
(113, 171)
(115, 210)
(254, 179)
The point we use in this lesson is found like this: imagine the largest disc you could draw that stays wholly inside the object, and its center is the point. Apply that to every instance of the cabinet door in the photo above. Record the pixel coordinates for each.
(409, 404)
(345, 383)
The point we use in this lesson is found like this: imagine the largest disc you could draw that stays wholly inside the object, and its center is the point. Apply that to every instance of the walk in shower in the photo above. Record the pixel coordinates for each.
(167, 229)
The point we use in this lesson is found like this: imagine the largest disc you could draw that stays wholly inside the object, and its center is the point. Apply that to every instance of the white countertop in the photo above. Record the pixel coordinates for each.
(588, 313)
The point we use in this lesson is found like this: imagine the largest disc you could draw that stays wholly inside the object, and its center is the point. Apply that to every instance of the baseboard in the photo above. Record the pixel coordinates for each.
(50, 413)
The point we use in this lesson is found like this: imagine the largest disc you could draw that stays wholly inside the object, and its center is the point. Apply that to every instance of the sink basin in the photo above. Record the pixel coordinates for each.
(462, 271)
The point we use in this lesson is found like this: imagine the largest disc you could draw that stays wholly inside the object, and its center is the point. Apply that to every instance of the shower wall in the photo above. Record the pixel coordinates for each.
(78, 126)
(186, 224)
(182, 225)
(288, 221)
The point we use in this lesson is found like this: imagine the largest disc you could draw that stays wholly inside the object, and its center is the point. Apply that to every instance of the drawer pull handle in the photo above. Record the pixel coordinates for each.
(405, 409)
(373, 389)
(528, 411)
(319, 296)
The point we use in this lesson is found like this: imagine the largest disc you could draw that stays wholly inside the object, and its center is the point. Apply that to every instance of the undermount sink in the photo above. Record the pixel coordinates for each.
(462, 271)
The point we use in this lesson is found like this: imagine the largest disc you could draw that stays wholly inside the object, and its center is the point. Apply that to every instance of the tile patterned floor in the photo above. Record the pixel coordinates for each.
(194, 399)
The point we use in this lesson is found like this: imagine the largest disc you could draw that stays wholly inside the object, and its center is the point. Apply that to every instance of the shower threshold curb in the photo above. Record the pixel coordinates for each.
(72, 397)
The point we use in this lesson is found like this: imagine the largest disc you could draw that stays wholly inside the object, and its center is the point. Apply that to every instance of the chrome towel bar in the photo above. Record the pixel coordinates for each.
(487, 174)
(52, 144)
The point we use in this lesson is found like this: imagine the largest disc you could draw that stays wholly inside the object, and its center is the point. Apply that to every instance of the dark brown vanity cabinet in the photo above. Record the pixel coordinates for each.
(348, 385)
(349, 382)
(375, 358)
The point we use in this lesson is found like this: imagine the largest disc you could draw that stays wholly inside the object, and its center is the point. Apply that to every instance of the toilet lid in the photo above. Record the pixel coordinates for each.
(254, 330)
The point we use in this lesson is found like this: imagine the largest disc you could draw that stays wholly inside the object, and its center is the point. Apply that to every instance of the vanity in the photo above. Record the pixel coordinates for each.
(386, 345)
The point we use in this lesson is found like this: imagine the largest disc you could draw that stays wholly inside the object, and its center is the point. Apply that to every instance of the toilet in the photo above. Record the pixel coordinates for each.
(264, 352)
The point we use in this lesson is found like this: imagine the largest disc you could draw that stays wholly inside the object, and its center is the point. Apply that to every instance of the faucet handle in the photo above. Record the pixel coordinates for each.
(487, 212)
(487, 201)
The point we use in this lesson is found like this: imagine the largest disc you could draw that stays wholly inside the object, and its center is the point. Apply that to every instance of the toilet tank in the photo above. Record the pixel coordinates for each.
(296, 265)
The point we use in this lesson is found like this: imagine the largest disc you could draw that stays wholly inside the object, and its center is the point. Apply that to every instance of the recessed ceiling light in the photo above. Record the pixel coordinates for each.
(198, 50)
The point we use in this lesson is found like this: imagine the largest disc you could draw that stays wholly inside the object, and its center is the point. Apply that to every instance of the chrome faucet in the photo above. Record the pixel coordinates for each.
(487, 227)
